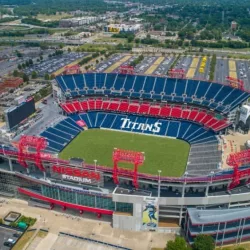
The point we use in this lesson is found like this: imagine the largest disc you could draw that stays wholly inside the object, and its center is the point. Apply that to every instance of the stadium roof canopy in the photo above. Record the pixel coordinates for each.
(210, 216)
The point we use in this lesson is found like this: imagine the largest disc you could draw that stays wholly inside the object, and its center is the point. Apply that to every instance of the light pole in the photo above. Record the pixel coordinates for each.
(3, 149)
(56, 159)
(185, 180)
(185, 183)
(212, 174)
(95, 161)
(159, 183)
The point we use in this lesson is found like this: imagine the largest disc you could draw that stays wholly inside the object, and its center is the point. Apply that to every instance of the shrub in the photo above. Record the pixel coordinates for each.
(28, 220)
(204, 242)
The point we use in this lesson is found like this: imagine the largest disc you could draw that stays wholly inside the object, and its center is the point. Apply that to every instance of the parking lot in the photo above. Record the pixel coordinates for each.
(194, 67)
(8, 100)
(221, 70)
(5, 234)
(145, 64)
(243, 72)
(104, 65)
(51, 65)
(163, 68)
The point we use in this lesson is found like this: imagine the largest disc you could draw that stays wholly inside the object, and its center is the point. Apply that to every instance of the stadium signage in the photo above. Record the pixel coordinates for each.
(154, 127)
(76, 174)
(76, 179)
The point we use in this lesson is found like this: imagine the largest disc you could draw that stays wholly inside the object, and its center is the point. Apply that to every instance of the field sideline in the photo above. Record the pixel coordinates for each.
(168, 155)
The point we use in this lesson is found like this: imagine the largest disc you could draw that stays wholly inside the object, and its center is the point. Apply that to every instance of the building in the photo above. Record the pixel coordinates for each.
(13, 82)
(10, 83)
(226, 226)
(122, 28)
(79, 21)
(72, 69)
(233, 25)
(80, 35)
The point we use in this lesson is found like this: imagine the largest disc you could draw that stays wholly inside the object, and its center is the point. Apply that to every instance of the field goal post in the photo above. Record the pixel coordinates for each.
(127, 156)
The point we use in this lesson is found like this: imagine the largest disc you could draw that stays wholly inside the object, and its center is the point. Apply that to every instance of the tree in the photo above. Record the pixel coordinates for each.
(30, 61)
(19, 54)
(25, 78)
(137, 40)
(69, 50)
(41, 58)
(34, 75)
(204, 242)
(178, 244)
(131, 38)
(46, 77)
(97, 61)
(3, 117)
(19, 66)
(15, 73)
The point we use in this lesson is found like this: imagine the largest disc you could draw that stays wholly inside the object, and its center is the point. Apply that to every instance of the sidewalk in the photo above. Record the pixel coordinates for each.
(85, 225)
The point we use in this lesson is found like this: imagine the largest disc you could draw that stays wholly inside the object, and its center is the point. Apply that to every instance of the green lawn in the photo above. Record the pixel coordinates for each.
(246, 246)
(166, 154)
(96, 47)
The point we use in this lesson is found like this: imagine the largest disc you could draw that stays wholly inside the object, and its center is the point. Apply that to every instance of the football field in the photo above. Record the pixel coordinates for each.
(161, 153)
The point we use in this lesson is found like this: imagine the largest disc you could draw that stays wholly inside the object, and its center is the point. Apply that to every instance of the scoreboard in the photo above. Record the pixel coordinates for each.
(17, 114)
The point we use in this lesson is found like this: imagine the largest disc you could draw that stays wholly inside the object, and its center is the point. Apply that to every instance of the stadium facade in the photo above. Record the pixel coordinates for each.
(195, 111)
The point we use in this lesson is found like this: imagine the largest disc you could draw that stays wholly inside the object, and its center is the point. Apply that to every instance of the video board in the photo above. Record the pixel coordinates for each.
(17, 114)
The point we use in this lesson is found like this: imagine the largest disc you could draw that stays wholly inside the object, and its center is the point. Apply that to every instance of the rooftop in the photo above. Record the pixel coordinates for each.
(210, 216)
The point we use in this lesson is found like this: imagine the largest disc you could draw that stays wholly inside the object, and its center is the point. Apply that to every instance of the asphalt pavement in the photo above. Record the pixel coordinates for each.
(5, 234)
(221, 70)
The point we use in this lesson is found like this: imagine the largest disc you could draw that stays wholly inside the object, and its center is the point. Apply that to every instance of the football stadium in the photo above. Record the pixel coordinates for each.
(152, 153)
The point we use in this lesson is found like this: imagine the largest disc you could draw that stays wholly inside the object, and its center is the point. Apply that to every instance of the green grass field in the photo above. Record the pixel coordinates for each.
(168, 155)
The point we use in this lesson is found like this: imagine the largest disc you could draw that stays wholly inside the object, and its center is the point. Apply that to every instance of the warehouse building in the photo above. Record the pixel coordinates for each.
(79, 21)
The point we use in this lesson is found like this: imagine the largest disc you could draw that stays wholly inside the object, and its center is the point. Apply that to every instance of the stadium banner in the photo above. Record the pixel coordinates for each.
(244, 113)
(149, 213)
(77, 175)
(81, 123)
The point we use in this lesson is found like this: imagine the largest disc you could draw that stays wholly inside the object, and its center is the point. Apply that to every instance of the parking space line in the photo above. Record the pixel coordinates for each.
(154, 66)
(117, 64)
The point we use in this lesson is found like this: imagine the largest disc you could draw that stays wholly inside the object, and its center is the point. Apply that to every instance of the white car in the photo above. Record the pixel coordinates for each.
(11, 241)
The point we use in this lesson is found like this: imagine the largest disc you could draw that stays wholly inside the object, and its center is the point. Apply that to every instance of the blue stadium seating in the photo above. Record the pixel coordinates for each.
(54, 137)
(191, 132)
(79, 81)
(222, 98)
(61, 134)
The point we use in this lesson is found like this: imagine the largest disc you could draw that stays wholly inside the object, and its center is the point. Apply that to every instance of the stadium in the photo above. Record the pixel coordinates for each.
(145, 152)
